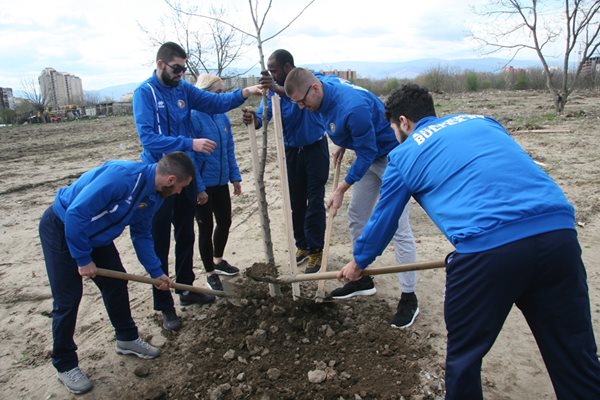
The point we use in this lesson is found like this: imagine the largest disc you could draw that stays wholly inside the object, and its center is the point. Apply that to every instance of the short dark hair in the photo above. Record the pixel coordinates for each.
(298, 79)
(283, 57)
(412, 101)
(176, 163)
(169, 50)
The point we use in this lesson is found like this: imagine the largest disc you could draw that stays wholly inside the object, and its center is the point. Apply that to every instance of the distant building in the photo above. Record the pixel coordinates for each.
(591, 65)
(348, 74)
(238, 82)
(60, 88)
(7, 101)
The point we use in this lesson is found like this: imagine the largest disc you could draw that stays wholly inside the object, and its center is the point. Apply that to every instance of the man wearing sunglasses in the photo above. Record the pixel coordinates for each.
(162, 108)
(355, 120)
(307, 159)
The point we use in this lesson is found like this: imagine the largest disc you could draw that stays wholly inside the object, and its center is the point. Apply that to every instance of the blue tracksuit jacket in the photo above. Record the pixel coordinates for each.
(300, 127)
(98, 206)
(220, 167)
(355, 119)
(162, 114)
(478, 186)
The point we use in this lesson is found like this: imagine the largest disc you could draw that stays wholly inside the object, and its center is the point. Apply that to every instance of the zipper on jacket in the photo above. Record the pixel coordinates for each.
(133, 205)
(221, 160)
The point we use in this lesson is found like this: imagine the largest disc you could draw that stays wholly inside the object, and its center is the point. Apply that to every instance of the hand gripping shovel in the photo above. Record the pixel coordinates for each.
(333, 274)
(144, 279)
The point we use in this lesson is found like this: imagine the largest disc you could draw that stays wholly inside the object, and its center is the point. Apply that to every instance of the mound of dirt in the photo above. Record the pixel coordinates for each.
(277, 348)
(262, 272)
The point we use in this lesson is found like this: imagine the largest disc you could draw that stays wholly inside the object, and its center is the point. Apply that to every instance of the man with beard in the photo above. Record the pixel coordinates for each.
(307, 159)
(77, 233)
(162, 112)
(514, 236)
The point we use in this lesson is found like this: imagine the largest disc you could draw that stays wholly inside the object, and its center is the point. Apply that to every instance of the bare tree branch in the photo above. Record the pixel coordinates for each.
(177, 8)
(580, 29)
(37, 98)
(291, 22)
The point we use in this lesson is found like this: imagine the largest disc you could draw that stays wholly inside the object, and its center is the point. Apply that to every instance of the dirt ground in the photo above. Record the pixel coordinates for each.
(263, 347)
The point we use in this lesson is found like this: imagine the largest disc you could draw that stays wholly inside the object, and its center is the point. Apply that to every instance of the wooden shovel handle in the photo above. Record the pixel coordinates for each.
(109, 273)
(368, 271)
(328, 230)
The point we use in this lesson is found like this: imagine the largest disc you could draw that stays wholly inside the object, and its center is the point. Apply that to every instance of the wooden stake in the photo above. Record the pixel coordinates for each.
(320, 295)
(285, 190)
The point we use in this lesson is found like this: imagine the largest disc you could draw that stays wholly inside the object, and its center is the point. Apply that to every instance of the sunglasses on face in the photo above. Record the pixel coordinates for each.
(177, 69)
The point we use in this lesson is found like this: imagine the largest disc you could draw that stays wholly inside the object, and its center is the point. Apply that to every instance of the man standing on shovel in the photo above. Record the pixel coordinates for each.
(77, 233)
(354, 118)
(307, 159)
(514, 234)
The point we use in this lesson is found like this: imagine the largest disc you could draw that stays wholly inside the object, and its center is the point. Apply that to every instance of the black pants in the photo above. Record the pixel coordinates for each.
(177, 210)
(545, 277)
(308, 170)
(212, 243)
(67, 288)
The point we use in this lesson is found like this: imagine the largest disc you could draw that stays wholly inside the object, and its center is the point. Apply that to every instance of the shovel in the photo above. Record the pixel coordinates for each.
(333, 274)
(320, 295)
(109, 273)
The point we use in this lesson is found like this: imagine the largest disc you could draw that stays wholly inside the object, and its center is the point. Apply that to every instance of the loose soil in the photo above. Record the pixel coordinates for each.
(258, 346)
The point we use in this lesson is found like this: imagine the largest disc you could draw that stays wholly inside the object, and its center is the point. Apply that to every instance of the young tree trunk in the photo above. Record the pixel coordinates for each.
(560, 99)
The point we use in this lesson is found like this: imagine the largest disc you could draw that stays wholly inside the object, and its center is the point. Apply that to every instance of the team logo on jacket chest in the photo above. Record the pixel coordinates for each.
(332, 127)
(181, 103)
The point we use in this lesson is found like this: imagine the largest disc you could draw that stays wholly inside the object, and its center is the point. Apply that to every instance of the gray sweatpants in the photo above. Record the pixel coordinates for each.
(365, 194)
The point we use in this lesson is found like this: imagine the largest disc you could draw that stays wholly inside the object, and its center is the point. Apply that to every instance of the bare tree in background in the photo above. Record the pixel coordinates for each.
(33, 94)
(91, 98)
(259, 18)
(212, 50)
(539, 24)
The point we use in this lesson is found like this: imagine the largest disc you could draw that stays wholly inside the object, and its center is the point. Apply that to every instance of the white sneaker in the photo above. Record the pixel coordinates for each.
(75, 381)
(138, 347)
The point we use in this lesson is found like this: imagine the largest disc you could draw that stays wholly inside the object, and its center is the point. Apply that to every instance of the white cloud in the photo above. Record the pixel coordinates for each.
(102, 43)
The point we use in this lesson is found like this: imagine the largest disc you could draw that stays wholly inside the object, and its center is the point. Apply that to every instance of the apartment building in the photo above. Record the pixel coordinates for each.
(7, 101)
(349, 75)
(60, 88)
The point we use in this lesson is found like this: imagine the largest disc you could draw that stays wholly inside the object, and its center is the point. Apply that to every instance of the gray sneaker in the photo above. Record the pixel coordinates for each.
(139, 347)
(75, 381)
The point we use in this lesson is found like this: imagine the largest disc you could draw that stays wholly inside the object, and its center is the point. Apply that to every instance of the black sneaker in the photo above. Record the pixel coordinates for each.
(214, 282)
(301, 256)
(186, 298)
(171, 321)
(314, 262)
(362, 287)
(224, 268)
(408, 309)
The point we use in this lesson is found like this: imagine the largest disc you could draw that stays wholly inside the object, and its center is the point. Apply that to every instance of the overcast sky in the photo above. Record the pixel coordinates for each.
(102, 43)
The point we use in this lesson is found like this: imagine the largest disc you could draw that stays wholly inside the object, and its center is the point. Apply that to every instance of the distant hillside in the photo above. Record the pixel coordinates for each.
(411, 69)
(114, 92)
(372, 70)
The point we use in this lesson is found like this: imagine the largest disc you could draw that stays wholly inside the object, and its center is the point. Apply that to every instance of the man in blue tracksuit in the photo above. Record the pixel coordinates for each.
(355, 120)
(77, 234)
(514, 234)
(162, 111)
(307, 161)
